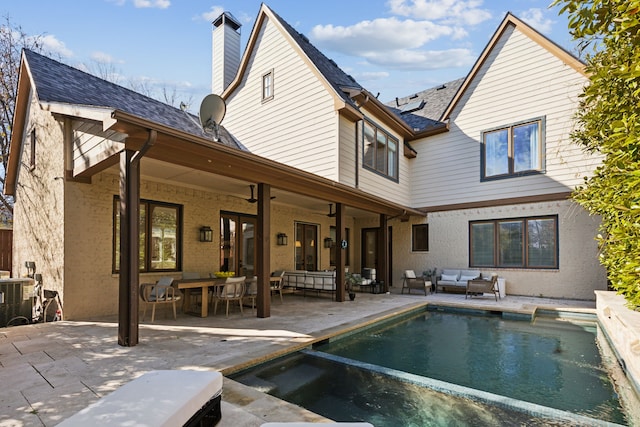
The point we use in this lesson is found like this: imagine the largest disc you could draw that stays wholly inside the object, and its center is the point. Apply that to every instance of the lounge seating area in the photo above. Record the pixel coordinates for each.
(317, 281)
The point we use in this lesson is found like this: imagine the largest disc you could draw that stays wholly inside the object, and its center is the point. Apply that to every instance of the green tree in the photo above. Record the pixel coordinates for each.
(12, 41)
(608, 124)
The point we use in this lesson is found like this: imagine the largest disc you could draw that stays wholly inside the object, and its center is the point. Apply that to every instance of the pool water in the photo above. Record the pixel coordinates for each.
(555, 364)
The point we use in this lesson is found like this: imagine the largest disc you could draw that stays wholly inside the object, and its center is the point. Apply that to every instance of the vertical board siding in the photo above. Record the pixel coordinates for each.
(299, 126)
(520, 80)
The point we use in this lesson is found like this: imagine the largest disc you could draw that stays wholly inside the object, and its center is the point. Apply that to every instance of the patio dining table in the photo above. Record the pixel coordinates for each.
(204, 283)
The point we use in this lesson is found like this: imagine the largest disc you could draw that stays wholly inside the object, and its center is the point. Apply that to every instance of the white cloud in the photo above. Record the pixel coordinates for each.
(536, 18)
(405, 59)
(212, 14)
(103, 58)
(379, 36)
(52, 44)
(449, 11)
(160, 4)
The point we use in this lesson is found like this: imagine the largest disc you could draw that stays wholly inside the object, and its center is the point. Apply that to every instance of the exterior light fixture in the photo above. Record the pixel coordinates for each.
(282, 239)
(328, 242)
(206, 234)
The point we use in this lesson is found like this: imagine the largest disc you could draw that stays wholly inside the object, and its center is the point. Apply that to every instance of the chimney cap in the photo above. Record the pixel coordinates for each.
(227, 18)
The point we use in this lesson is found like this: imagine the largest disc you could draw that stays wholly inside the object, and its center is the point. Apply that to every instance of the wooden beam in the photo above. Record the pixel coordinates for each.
(383, 254)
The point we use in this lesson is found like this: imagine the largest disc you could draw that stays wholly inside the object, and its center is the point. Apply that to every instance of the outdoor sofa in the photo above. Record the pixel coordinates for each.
(455, 279)
(302, 280)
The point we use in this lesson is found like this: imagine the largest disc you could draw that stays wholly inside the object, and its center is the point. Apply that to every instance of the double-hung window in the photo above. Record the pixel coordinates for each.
(530, 242)
(162, 251)
(513, 150)
(380, 151)
(267, 86)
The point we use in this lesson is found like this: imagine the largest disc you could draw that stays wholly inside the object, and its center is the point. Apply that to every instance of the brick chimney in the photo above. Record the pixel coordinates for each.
(226, 51)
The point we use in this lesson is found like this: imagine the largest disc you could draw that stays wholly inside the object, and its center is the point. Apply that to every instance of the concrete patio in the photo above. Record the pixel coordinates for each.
(50, 371)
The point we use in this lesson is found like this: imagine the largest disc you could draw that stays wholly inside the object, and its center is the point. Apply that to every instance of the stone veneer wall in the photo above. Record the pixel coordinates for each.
(622, 327)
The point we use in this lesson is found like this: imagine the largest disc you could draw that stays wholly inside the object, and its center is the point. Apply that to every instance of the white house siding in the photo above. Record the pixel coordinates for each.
(579, 274)
(39, 201)
(348, 149)
(520, 80)
(91, 144)
(299, 126)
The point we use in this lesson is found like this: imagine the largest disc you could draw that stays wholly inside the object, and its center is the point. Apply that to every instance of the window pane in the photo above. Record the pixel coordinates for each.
(541, 245)
(142, 227)
(510, 243)
(496, 147)
(482, 244)
(392, 158)
(526, 147)
(164, 228)
(381, 152)
(369, 145)
(420, 240)
(267, 86)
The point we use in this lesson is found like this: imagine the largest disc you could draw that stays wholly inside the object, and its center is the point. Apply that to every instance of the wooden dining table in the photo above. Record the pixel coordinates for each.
(204, 284)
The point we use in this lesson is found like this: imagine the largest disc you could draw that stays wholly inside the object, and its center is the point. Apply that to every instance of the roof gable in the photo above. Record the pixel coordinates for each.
(511, 20)
(58, 83)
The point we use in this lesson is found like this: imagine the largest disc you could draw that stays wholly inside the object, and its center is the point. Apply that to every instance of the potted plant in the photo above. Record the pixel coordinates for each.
(350, 280)
(430, 274)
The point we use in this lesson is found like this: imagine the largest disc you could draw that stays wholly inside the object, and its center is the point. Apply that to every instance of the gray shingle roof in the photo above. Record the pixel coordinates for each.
(436, 100)
(329, 69)
(57, 82)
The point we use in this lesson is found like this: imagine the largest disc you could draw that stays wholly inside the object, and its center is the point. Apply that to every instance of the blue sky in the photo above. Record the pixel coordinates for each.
(391, 47)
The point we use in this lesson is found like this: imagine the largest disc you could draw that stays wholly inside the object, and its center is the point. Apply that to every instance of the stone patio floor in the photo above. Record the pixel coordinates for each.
(50, 371)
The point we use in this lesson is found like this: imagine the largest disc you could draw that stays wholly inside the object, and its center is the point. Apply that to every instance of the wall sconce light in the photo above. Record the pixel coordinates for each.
(282, 239)
(328, 242)
(206, 234)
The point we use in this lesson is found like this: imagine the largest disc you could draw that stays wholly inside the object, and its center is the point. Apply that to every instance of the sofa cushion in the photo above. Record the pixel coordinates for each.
(449, 278)
(449, 272)
(469, 275)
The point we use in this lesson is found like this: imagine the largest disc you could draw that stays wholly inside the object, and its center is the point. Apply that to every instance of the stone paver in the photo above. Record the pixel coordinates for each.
(50, 371)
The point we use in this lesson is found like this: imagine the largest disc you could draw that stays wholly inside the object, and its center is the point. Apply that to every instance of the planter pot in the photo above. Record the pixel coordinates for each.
(352, 296)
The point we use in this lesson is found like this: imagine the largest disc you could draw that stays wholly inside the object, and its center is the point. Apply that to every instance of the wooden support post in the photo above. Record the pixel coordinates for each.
(129, 250)
(263, 252)
(383, 254)
(341, 254)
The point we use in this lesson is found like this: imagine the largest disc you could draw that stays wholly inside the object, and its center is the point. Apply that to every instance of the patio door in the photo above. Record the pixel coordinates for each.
(369, 248)
(237, 243)
(306, 246)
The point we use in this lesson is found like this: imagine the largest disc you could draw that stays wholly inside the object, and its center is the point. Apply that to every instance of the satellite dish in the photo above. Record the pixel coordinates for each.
(212, 111)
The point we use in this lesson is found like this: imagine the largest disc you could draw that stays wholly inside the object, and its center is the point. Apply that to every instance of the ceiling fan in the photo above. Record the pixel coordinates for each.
(252, 199)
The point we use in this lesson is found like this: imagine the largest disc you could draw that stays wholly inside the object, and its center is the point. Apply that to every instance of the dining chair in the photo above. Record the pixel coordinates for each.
(160, 292)
(276, 282)
(233, 290)
(251, 291)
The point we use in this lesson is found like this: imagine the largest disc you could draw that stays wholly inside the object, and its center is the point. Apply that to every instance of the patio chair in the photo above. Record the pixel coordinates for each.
(482, 286)
(233, 290)
(251, 291)
(411, 281)
(275, 283)
(159, 293)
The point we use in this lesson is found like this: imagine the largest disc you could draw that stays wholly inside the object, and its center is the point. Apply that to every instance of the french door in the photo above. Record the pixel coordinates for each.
(237, 243)
(306, 246)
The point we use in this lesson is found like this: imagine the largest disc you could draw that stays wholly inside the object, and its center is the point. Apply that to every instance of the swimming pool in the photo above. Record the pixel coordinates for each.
(440, 368)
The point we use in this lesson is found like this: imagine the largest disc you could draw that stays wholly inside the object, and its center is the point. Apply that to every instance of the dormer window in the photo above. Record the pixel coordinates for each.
(267, 86)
